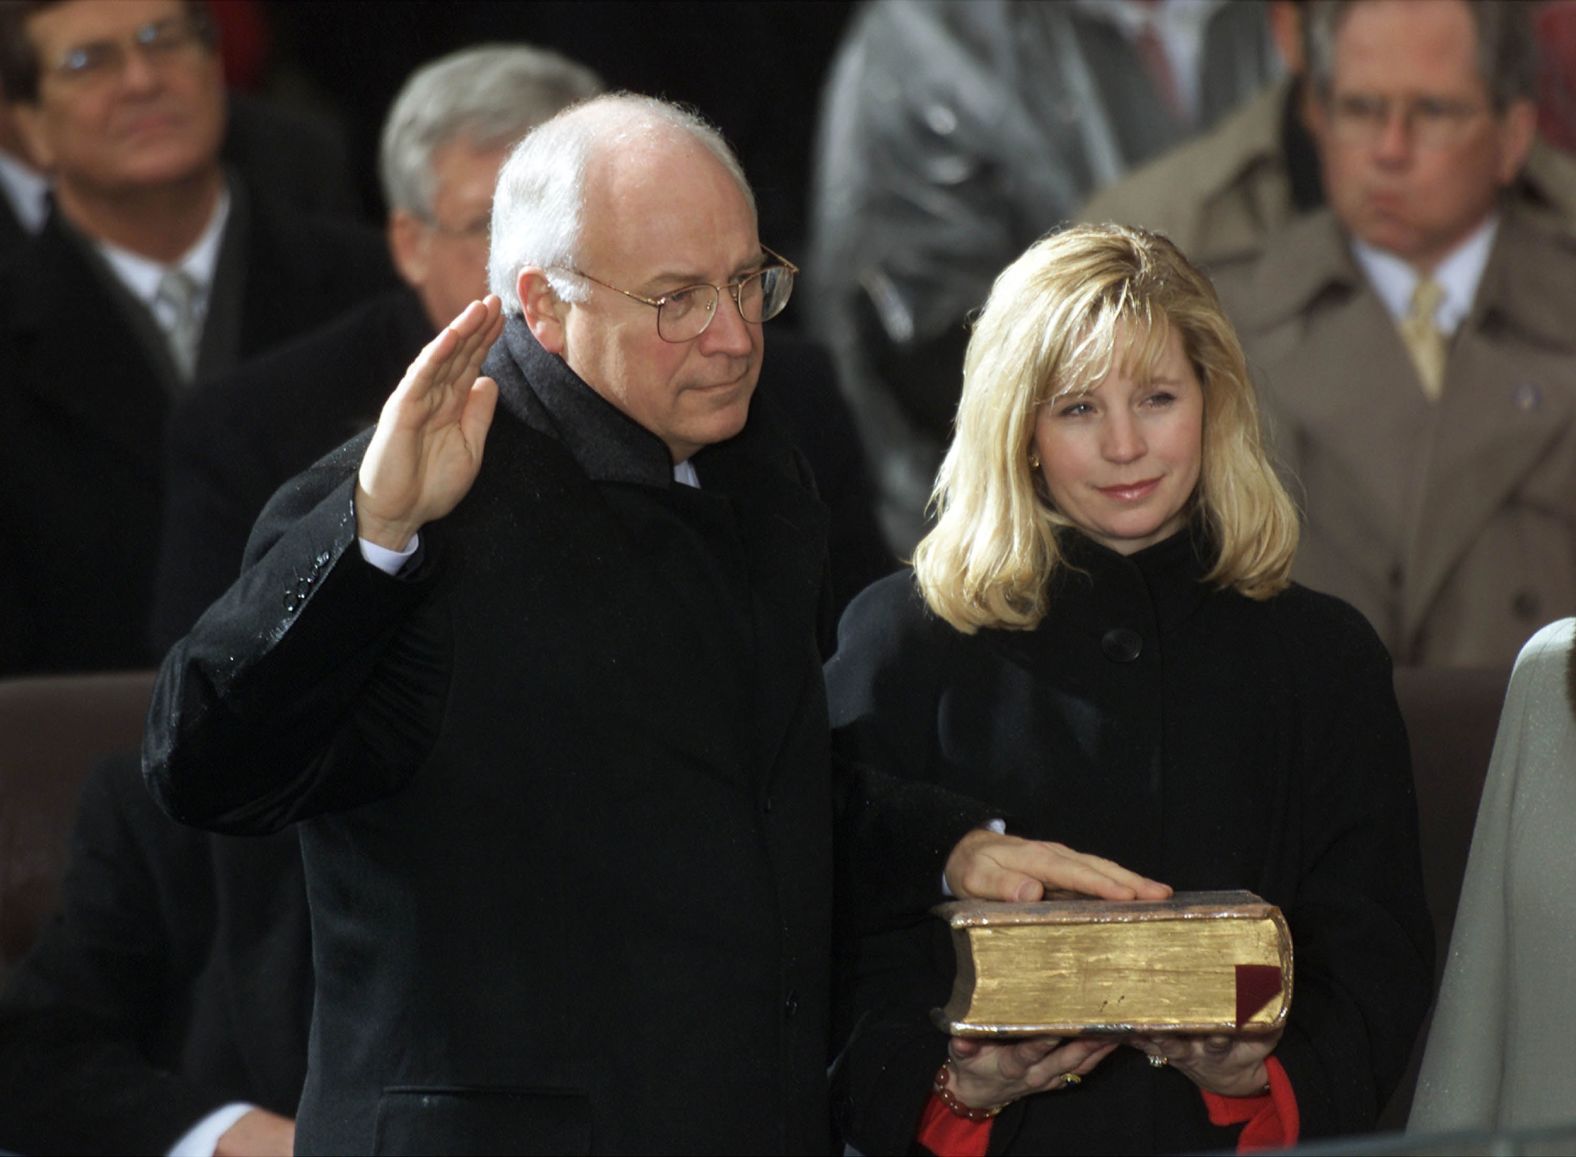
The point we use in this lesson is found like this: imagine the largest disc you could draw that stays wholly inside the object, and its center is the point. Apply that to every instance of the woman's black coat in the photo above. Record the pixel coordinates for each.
(1199, 737)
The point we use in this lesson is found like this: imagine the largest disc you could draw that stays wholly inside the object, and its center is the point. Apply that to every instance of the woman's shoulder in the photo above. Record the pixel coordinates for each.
(1317, 626)
(889, 607)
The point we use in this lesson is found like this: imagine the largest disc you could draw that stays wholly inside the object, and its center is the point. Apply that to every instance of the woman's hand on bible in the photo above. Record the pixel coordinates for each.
(989, 1073)
(989, 865)
(1232, 1066)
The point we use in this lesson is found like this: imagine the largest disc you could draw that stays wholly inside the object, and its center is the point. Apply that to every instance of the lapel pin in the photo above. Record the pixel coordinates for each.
(1527, 396)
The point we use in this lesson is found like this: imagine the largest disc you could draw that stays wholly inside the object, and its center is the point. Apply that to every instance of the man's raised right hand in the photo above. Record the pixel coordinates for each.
(427, 447)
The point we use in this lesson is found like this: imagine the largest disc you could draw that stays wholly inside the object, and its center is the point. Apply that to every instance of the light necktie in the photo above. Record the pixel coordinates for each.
(179, 291)
(1423, 338)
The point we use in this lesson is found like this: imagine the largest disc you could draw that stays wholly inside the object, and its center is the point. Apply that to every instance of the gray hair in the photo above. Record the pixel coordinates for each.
(1507, 52)
(540, 200)
(489, 96)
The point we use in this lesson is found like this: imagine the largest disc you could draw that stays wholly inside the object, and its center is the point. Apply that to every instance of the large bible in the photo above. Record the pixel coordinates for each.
(1200, 962)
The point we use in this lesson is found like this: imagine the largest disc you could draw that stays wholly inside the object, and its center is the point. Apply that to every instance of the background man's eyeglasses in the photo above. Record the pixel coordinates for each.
(1430, 122)
(159, 42)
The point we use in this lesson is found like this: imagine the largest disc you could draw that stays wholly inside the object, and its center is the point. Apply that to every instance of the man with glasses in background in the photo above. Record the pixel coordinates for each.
(535, 664)
(157, 268)
(1416, 340)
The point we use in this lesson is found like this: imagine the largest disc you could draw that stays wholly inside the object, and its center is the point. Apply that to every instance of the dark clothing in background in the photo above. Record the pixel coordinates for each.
(952, 134)
(564, 787)
(1192, 735)
(176, 978)
(232, 444)
(87, 389)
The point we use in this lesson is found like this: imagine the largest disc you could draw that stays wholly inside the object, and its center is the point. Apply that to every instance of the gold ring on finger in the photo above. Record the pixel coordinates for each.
(1071, 1080)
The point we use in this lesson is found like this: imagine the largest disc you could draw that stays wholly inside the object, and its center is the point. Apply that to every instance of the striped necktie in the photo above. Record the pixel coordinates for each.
(179, 291)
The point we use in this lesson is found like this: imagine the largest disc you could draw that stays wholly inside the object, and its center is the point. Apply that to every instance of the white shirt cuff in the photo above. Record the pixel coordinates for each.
(386, 560)
(203, 1137)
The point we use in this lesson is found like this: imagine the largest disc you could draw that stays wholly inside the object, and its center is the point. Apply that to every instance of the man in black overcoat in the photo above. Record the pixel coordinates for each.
(551, 716)
(123, 106)
(232, 443)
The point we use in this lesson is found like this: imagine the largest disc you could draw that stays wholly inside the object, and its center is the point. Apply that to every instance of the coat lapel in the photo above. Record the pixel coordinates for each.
(87, 361)
(1510, 392)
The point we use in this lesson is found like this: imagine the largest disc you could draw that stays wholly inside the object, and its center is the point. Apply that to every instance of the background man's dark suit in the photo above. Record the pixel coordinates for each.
(599, 691)
(84, 399)
(11, 233)
(232, 444)
(176, 978)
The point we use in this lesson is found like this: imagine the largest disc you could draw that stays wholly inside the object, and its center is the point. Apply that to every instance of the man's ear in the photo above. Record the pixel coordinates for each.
(408, 246)
(545, 312)
(1518, 129)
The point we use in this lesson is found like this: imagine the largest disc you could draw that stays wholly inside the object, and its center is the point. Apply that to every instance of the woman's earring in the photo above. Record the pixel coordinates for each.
(1034, 459)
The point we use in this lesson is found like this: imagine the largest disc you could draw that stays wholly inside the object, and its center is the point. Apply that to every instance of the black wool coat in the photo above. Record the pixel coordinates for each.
(566, 796)
(1193, 735)
(86, 388)
(174, 979)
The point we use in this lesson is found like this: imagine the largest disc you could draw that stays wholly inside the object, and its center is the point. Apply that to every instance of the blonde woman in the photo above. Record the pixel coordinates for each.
(1100, 640)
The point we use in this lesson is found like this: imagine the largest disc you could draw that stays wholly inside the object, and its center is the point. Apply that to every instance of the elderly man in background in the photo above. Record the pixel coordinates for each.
(1416, 340)
(166, 1008)
(156, 269)
(544, 692)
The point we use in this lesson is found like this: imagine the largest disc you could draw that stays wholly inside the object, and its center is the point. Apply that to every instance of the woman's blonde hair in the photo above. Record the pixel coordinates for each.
(1048, 329)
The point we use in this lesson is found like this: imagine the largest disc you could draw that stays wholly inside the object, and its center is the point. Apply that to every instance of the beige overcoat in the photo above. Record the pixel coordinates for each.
(1218, 196)
(1451, 525)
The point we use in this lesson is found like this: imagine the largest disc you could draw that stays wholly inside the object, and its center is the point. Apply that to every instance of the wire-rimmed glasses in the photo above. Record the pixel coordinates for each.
(1431, 122)
(685, 313)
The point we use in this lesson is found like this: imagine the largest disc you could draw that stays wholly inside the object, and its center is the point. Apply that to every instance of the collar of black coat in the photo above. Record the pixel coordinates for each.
(1167, 575)
(542, 390)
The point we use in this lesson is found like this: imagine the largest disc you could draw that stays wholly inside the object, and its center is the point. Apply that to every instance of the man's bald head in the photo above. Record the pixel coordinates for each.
(539, 207)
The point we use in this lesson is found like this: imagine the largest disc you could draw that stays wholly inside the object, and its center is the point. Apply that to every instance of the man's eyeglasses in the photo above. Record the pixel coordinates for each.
(160, 42)
(685, 313)
(1431, 122)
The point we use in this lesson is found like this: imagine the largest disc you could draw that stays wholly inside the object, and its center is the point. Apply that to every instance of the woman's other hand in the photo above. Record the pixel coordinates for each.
(989, 1073)
(1232, 1066)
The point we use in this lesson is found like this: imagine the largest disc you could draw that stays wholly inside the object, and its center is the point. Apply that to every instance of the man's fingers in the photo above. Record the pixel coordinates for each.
(478, 414)
(448, 364)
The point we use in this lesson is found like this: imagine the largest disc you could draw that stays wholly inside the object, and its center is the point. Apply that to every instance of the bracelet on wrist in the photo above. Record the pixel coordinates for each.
(941, 1087)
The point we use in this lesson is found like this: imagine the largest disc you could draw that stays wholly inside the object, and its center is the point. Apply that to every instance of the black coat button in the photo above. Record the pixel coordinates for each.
(790, 1005)
(1526, 604)
(1122, 645)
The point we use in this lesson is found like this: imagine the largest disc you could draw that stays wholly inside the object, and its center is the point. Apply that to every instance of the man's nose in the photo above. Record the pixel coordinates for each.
(728, 332)
(1394, 142)
(138, 73)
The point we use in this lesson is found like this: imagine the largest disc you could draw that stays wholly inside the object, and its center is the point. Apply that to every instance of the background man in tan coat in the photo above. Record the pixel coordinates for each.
(1416, 340)
(1222, 195)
